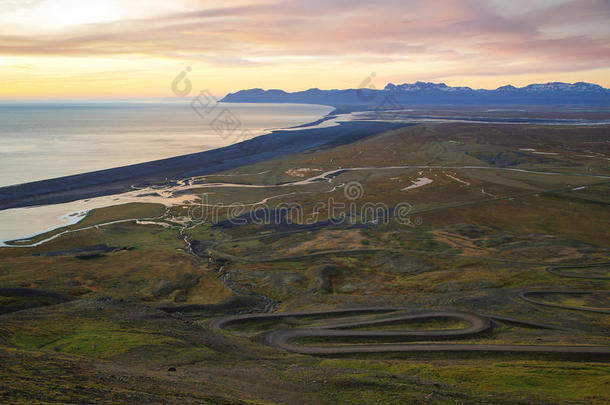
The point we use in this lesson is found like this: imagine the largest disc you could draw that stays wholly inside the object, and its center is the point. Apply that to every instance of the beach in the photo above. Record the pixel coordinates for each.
(120, 179)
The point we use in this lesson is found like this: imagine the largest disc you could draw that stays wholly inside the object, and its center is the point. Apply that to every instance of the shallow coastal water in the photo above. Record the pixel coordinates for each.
(27, 222)
(46, 140)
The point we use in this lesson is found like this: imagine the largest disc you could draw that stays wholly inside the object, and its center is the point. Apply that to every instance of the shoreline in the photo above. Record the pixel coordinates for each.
(84, 206)
(120, 179)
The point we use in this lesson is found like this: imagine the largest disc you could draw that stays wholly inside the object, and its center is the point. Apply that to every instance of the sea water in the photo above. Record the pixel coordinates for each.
(46, 140)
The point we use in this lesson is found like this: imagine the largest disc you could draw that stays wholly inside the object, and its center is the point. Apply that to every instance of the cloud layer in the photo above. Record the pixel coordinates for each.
(442, 38)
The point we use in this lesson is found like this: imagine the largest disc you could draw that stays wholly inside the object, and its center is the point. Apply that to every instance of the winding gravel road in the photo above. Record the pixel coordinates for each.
(526, 296)
(555, 270)
(340, 331)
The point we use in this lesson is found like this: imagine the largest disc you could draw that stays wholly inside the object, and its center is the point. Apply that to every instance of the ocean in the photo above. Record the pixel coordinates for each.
(52, 139)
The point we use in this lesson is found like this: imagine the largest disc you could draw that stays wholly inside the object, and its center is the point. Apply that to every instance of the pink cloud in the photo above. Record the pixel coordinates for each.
(465, 34)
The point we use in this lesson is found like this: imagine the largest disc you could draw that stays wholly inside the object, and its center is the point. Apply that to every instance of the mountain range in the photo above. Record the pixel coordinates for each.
(428, 93)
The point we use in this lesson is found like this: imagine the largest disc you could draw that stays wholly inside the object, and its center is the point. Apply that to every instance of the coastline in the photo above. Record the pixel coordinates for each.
(120, 179)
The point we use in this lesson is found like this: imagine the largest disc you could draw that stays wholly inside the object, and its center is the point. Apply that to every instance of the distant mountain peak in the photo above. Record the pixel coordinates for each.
(550, 86)
(430, 93)
(508, 87)
(424, 86)
(561, 86)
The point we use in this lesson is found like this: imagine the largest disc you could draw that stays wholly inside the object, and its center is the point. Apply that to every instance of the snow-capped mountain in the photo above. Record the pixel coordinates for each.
(424, 86)
(429, 93)
(532, 88)
(559, 86)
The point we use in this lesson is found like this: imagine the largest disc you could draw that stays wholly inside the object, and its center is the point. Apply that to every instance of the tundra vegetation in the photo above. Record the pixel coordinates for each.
(508, 228)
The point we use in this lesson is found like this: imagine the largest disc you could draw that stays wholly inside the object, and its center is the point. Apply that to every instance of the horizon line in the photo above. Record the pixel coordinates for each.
(170, 98)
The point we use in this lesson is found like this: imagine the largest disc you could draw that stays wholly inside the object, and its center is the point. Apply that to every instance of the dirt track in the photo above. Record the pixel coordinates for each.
(556, 270)
(478, 325)
(525, 295)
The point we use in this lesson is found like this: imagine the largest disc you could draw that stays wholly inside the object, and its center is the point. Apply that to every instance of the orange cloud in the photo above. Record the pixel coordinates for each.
(416, 39)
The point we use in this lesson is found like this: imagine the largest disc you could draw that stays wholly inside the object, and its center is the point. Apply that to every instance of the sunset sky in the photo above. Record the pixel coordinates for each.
(123, 49)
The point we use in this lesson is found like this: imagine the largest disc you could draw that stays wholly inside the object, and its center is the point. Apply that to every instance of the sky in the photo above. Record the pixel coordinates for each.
(104, 49)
